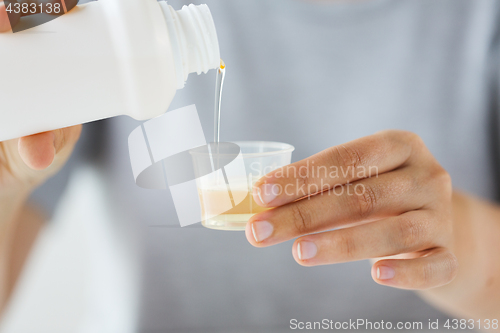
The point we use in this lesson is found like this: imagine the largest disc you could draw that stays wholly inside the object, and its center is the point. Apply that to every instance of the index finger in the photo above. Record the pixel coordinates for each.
(336, 166)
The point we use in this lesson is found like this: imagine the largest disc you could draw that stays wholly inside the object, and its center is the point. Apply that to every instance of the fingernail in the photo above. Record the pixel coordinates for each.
(267, 193)
(385, 273)
(306, 250)
(261, 230)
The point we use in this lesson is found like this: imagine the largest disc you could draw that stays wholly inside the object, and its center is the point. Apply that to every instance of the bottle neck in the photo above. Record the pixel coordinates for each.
(193, 38)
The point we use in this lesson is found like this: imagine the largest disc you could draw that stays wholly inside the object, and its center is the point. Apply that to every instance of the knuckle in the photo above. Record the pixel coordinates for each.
(302, 219)
(439, 180)
(451, 263)
(412, 233)
(303, 180)
(365, 202)
(345, 245)
(443, 179)
(404, 183)
(413, 183)
(347, 156)
(410, 138)
(405, 136)
(387, 132)
(410, 142)
(414, 139)
(417, 144)
(392, 134)
(61, 139)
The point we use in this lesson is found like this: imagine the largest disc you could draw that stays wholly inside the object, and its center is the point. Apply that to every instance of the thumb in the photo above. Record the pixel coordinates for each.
(38, 151)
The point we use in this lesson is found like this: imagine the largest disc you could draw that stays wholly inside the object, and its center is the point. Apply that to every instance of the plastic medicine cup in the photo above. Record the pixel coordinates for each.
(226, 194)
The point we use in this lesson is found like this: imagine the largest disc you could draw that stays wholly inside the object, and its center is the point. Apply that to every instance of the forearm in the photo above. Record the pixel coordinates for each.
(19, 226)
(475, 292)
(12, 200)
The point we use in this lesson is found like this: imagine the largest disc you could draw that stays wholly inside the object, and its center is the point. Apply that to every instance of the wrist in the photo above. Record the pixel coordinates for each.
(476, 227)
(12, 200)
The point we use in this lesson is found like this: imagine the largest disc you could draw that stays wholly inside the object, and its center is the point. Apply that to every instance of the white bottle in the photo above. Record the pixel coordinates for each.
(102, 59)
